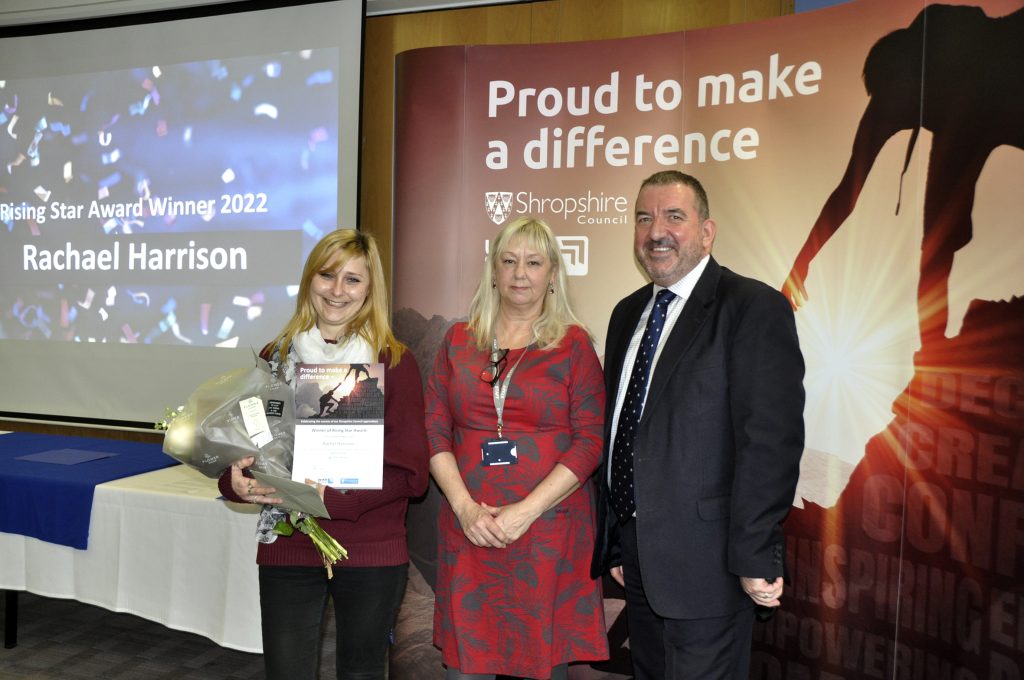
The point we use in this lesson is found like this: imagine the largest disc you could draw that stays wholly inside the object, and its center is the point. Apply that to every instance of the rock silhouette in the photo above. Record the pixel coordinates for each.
(915, 568)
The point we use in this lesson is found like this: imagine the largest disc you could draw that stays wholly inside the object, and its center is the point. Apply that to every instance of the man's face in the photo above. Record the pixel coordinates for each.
(670, 238)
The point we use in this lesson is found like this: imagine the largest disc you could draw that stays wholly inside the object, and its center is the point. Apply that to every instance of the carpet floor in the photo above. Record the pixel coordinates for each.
(68, 640)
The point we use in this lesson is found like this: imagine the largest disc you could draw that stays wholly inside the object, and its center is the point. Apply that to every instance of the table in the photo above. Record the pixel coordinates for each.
(52, 501)
(161, 546)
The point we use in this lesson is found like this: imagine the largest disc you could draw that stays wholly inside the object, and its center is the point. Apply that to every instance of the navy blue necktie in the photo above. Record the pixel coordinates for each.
(621, 483)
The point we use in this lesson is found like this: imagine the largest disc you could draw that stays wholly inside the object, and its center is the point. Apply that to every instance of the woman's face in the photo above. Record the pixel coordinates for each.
(338, 293)
(522, 276)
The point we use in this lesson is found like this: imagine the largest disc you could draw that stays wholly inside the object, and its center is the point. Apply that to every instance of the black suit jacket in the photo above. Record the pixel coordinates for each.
(718, 449)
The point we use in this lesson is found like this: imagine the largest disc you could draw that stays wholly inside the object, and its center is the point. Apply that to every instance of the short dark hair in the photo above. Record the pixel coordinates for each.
(667, 177)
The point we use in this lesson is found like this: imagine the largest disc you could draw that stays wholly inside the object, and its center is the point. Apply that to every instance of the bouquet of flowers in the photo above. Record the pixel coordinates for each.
(212, 430)
(241, 413)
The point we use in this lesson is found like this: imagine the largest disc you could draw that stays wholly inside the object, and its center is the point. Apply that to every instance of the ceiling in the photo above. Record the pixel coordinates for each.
(21, 12)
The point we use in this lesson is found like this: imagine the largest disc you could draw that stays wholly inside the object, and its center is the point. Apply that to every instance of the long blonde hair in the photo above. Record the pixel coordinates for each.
(556, 315)
(371, 321)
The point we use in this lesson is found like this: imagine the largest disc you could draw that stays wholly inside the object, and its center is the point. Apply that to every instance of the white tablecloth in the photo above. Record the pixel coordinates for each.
(161, 546)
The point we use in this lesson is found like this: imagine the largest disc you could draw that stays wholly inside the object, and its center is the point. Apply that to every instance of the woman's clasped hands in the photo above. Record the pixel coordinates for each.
(487, 526)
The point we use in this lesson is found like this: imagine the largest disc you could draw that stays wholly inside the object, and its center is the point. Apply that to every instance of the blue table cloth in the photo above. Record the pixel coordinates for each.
(53, 502)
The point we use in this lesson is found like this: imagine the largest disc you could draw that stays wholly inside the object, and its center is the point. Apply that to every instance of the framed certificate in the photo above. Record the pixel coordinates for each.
(339, 425)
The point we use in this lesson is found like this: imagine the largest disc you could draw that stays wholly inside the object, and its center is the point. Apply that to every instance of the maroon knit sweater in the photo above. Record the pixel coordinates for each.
(370, 524)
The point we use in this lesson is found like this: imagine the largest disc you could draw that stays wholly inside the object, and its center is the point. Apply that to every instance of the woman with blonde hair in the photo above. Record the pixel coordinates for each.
(341, 317)
(514, 418)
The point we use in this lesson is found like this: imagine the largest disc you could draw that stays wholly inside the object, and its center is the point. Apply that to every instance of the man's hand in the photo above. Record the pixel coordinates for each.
(762, 591)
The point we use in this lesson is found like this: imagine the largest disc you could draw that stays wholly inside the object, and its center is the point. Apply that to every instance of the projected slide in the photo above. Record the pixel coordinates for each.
(168, 203)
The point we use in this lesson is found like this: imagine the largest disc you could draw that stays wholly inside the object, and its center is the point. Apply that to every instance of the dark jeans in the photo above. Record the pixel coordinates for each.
(293, 599)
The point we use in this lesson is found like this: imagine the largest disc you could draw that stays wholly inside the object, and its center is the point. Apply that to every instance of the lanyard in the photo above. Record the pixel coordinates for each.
(499, 394)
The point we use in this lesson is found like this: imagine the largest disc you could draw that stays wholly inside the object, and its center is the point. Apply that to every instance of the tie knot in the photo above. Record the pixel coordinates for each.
(663, 297)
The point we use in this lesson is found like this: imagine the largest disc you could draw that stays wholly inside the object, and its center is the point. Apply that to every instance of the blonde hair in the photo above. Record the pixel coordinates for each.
(371, 321)
(556, 315)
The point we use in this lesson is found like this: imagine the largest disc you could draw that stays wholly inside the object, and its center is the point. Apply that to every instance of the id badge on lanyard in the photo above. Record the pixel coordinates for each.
(499, 450)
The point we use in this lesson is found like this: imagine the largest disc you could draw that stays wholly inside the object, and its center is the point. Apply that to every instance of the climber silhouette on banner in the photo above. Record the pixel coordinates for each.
(960, 75)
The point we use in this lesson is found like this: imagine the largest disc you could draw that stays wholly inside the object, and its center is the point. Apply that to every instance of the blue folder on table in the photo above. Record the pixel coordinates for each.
(47, 481)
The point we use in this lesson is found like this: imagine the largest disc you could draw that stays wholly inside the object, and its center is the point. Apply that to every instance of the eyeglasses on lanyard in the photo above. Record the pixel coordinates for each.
(492, 371)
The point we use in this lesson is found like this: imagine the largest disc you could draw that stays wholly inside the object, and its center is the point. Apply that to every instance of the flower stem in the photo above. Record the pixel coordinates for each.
(330, 550)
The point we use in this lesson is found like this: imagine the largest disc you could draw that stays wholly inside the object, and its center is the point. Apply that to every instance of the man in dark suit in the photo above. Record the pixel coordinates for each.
(704, 433)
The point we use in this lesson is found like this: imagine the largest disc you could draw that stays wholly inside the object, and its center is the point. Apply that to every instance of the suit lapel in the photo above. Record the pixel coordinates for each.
(695, 312)
(615, 352)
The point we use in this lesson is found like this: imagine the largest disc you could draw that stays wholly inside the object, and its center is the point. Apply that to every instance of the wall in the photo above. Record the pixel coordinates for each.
(535, 22)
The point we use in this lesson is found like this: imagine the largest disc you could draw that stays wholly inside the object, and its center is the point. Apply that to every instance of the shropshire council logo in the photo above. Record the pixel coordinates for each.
(499, 205)
(587, 209)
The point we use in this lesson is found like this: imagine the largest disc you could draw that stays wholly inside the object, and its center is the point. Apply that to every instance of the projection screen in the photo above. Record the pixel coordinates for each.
(160, 186)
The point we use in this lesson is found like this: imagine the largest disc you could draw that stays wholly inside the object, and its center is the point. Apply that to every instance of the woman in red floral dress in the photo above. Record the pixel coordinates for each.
(514, 415)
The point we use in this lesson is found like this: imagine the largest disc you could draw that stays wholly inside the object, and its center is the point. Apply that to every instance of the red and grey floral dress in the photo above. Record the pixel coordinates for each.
(531, 606)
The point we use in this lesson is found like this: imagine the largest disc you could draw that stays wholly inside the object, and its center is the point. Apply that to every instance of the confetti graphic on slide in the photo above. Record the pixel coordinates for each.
(146, 205)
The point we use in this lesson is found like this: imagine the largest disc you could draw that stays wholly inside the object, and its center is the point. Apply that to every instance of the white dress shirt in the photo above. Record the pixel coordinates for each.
(682, 288)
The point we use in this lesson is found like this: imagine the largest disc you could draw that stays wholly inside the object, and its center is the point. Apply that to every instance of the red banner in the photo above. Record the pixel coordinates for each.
(867, 160)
